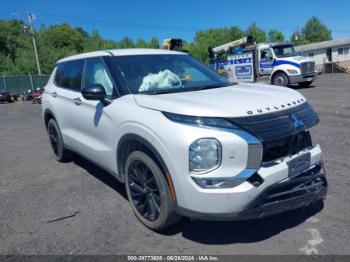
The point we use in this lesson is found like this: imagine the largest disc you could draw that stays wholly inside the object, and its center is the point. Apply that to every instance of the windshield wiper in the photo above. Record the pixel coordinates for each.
(163, 91)
(178, 90)
(211, 87)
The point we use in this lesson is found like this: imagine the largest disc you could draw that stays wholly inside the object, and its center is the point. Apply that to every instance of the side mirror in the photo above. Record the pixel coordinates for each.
(94, 92)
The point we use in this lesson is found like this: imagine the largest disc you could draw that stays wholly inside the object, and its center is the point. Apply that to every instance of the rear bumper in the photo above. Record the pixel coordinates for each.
(302, 78)
(289, 194)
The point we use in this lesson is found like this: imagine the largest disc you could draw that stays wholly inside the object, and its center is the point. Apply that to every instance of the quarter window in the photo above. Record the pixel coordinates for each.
(96, 73)
(346, 50)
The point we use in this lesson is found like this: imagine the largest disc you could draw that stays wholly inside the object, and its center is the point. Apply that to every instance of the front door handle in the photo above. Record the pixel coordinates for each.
(77, 101)
(54, 94)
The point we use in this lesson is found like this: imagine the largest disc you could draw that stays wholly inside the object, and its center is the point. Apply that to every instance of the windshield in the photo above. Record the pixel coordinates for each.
(155, 74)
(284, 51)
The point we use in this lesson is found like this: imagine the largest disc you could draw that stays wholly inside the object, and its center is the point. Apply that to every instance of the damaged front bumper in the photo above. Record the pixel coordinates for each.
(289, 194)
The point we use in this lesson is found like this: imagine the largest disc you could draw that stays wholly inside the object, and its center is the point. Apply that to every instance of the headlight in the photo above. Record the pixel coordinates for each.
(292, 71)
(205, 155)
(200, 121)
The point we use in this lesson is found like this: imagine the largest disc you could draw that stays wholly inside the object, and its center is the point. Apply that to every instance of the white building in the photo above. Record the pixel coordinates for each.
(326, 52)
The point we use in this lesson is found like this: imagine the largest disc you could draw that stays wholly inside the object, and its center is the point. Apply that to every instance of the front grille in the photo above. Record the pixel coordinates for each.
(307, 68)
(281, 133)
(282, 147)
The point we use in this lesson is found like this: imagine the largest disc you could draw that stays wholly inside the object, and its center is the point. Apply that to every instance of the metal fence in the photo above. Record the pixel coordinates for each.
(18, 84)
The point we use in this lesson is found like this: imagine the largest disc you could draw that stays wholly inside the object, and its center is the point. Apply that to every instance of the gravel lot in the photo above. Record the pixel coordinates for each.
(34, 189)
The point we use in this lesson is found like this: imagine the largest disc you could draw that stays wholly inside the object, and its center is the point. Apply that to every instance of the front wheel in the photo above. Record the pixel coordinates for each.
(148, 192)
(280, 79)
(305, 84)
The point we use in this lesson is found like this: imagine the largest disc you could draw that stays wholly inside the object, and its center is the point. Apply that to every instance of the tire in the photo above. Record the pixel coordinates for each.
(305, 84)
(148, 192)
(55, 137)
(280, 79)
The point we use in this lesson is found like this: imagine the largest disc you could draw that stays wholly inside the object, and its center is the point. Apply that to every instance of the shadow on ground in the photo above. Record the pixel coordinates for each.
(101, 175)
(210, 232)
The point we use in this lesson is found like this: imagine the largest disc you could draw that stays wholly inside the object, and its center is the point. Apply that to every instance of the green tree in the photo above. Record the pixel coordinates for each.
(141, 43)
(315, 31)
(297, 38)
(153, 43)
(275, 36)
(212, 38)
(126, 42)
(258, 34)
(93, 42)
(64, 35)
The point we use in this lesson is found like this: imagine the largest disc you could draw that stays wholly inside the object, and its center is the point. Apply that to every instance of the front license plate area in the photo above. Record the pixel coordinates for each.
(309, 79)
(298, 165)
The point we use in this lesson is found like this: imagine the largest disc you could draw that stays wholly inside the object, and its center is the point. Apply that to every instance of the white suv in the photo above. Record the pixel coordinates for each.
(183, 139)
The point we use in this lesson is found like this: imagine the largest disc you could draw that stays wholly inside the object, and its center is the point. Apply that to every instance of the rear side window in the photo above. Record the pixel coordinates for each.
(59, 74)
(69, 74)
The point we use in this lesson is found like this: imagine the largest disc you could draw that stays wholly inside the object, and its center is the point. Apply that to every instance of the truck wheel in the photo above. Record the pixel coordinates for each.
(305, 84)
(280, 79)
(60, 152)
(148, 192)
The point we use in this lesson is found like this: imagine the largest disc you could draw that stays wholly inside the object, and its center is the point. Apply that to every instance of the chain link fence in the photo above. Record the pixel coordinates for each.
(18, 84)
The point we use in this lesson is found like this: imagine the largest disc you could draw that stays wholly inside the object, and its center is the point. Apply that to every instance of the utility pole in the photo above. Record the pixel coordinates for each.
(29, 29)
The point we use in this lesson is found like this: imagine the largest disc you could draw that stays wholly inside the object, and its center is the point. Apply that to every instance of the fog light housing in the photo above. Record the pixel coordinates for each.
(212, 183)
(204, 155)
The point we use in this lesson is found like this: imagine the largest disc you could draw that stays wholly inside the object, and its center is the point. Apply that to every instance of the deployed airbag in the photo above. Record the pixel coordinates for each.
(164, 79)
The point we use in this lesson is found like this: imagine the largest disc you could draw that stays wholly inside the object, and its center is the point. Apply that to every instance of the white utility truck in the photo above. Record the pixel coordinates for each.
(247, 62)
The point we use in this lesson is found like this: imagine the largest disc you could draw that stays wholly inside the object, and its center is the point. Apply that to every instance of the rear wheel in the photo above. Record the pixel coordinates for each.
(280, 79)
(60, 152)
(148, 192)
(305, 84)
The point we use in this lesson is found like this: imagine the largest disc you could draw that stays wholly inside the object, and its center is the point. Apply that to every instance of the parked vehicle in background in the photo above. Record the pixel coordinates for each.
(6, 96)
(26, 95)
(37, 96)
(174, 44)
(183, 139)
(247, 61)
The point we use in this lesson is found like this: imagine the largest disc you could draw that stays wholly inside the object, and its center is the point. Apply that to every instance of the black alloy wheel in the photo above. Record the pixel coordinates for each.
(149, 192)
(144, 190)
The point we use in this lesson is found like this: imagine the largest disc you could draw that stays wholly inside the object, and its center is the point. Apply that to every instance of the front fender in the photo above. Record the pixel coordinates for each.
(131, 128)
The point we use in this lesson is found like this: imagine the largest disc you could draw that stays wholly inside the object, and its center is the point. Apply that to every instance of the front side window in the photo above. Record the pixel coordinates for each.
(68, 75)
(96, 73)
(165, 73)
(340, 51)
(266, 55)
(284, 51)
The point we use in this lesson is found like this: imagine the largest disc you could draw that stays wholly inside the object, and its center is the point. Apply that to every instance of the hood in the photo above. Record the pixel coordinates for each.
(243, 99)
(295, 59)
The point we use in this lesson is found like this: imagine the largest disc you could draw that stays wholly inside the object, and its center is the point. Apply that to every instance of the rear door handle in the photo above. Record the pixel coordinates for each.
(77, 101)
